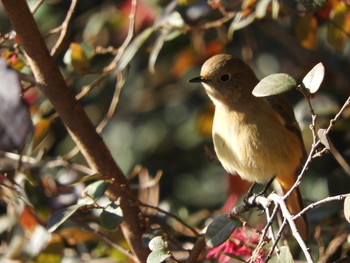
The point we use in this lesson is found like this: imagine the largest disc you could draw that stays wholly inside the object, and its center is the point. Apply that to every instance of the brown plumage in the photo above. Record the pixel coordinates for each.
(257, 138)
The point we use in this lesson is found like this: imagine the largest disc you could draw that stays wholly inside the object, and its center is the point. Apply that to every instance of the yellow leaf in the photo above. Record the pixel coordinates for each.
(79, 59)
(339, 26)
(306, 31)
(205, 120)
(12, 60)
(42, 128)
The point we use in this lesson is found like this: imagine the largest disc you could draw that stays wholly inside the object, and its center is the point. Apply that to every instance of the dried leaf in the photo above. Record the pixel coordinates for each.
(274, 84)
(306, 31)
(338, 28)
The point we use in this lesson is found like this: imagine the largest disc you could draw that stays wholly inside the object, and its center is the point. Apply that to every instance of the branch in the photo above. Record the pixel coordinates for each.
(76, 121)
(63, 28)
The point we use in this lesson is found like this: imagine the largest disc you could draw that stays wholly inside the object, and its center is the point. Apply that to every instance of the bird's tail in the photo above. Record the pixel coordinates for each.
(294, 203)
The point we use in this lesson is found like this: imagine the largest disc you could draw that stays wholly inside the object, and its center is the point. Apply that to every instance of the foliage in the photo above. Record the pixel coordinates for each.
(127, 63)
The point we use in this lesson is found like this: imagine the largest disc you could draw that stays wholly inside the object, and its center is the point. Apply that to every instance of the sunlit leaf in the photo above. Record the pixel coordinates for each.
(97, 189)
(86, 179)
(274, 84)
(79, 59)
(275, 9)
(306, 31)
(111, 217)
(220, 230)
(157, 256)
(134, 46)
(59, 217)
(15, 123)
(313, 5)
(321, 133)
(41, 130)
(240, 21)
(347, 208)
(261, 8)
(338, 28)
(157, 243)
(313, 79)
(285, 255)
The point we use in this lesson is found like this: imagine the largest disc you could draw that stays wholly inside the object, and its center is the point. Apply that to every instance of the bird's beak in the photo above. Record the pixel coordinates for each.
(197, 80)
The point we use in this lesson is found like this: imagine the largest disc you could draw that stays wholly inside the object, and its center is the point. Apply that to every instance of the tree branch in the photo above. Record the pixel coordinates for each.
(76, 121)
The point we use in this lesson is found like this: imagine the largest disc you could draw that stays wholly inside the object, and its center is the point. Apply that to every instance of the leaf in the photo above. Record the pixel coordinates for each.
(157, 243)
(78, 59)
(220, 230)
(111, 217)
(240, 21)
(59, 217)
(321, 133)
(133, 47)
(313, 5)
(306, 31)
(338, 28)
(15, 123)
(285, 255)
(97, 189)
(274, 84)
(87, 178)
(313, 79)
(157, 256)
(261, 8)
(347, 208)
(234, 257)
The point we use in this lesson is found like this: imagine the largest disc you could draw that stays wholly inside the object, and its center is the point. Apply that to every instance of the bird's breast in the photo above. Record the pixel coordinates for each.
(256, 146)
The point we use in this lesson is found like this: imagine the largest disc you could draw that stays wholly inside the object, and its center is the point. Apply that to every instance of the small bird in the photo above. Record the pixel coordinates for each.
(256, 138)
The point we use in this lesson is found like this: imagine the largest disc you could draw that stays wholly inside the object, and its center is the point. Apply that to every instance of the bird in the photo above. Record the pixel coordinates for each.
(257, 138)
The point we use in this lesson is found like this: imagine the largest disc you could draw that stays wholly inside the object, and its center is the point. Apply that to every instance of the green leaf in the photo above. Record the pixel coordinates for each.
(285, 255)
(111, 217)
(234, 257)
(133, 47)
(220, 230)
(97, 189)
(274, 84)
(157, 243)
(157, 256)
(86, 178)
(322, 135)
(347, 208)
(313, 5)
(59, 217)
(313, 79)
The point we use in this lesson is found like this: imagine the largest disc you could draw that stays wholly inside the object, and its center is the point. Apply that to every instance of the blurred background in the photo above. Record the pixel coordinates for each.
(162, 122)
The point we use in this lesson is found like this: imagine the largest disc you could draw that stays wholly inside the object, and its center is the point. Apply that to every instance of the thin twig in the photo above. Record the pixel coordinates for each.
(106, 239)
(318, 203)
(63, 28)
(37, 5)
(194, 231)
(286, 214)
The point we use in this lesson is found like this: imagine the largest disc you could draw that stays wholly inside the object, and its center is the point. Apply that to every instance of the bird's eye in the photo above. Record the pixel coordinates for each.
(225, 78)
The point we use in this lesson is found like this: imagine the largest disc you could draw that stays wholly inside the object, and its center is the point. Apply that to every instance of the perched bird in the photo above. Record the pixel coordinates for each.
(256, 138)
